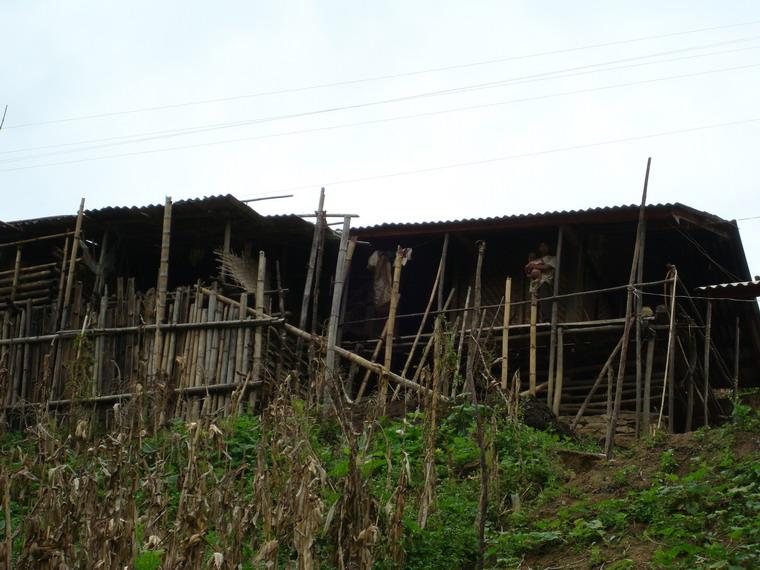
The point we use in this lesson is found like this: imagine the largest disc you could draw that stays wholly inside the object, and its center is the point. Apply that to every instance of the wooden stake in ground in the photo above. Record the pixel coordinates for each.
(612, 423)
(161, 285)
(559, 380)
(706, 366)
(476, 317)
(532, 347)
(505, 335)
(647, 399)
(736, 363)
(639, 309)
(383, 391)
(554, 317)
(668, 375)
(303, 317)
(332, 327)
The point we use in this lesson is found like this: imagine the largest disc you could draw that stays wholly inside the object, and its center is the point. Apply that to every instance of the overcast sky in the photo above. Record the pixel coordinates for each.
(68, 60)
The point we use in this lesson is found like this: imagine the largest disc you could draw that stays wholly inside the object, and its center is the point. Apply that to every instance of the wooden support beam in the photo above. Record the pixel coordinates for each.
(554, 317)
(390, 329)
(638, 310)
(612, 423)
(476, 322)
(532, 347)
(161, 287)
(337, 296)
(706, 365)
(505, 335)
(72, 265)
(559, 380)
(647, 397)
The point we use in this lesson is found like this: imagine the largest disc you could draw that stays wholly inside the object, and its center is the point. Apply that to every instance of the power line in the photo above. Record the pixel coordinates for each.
(369, 122)
(516, 156)
(556, 74)
(380, 77)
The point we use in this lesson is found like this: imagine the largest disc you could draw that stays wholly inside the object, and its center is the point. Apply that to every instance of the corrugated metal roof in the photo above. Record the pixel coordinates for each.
(737, 290)
(600, 212)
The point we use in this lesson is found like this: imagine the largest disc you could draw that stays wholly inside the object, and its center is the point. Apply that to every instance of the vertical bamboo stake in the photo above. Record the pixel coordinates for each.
(350, 249)
(322, 224)
(532, 347)
(16, 273)
(736, 364)
(441, 281)
(100, 278)
(258, 338)
(505, 335)
(72, 265)
(375, 354)
(337, 296)
(647, 399)
(460, 348)
(476, 317)
(428, 346)
(692, 364)
(639, 308)
(610, 374)
(669, 355)
(560, 372)
(162, 281)
(61, 283)
(612, 423)
(97, 376)
(554, 317)
(706, 367)
(312, 265)
(383, 392)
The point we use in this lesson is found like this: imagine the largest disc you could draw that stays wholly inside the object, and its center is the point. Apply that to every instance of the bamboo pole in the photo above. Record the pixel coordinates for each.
(258, 337)
(433, 293)
(612, 423)
(706, 366)
(161, 285)
(532, 347)
(383, 388)
(72, 264)
(460, 348)
(428, 346)
(16, 271)
(554, 318)
(736, 363)
(638, 310)
(647, 399)
(476, 316)
(669, 355)
(692, 364)
(505, 335)
(441, 281)
(350, 249)
(337, 297)
(559, 380)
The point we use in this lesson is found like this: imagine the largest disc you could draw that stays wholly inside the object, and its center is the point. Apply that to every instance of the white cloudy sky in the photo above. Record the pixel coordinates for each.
(68, 60)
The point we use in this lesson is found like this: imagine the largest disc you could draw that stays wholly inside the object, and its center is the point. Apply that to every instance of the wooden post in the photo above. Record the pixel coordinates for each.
(736, 364)
(532, 347)
(647, 399)
(258, 336)
(350, 249)
(610, 374)
(639, 309)
(460, 348)
(667, 376)
(303, 317)
(472, 345)
(444, 255)
(16, 273)
(100, 278)
(612, 423)
(560, 372)
(161, 285)
(383, 392)
(332, 327)
(706, 367)
(690, 379)
(72, 265)
(505, 335)
(555, 314)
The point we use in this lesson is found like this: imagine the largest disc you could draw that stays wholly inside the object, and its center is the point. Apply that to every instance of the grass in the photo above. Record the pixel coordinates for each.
(251, 491)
